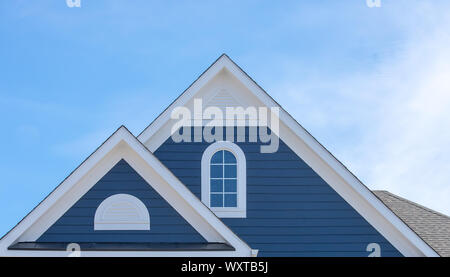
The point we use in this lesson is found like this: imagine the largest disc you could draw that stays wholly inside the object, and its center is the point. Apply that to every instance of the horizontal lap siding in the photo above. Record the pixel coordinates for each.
(77, 224)
(291, 211)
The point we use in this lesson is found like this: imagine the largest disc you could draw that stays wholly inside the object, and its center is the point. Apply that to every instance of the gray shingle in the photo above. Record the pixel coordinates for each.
(433, 227)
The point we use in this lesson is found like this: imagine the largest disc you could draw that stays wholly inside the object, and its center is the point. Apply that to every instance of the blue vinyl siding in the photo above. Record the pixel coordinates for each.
(291, 211)
(77, 224)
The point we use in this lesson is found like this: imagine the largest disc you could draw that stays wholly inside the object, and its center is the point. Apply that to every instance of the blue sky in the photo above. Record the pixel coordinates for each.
(371, 84)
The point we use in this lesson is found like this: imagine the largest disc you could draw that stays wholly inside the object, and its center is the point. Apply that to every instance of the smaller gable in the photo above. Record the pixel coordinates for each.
(23, 239)
(124, 202)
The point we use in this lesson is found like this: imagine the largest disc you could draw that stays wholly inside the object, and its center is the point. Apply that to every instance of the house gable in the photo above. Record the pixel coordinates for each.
(316, 206)
(225, 74)
(77, 224)
(291, 210)
(27, 237)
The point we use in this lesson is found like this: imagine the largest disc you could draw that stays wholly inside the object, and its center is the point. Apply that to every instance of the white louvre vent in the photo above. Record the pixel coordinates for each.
(122, 212)
(223, 99)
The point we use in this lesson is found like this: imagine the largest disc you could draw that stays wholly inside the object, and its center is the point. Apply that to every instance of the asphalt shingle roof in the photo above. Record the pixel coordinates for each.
(433, 227)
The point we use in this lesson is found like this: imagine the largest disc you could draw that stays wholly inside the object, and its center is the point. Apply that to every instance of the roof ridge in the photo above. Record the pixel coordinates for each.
(414, 203)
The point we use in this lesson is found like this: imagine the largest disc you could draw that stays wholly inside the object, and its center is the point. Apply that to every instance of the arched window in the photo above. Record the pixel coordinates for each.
(122, 212)
(224, 179)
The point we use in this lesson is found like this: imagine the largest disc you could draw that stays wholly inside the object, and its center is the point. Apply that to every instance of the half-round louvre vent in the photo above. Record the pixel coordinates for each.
(122, 212)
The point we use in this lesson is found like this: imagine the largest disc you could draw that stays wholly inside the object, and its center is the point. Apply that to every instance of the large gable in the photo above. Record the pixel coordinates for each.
(291, 211)
(224, 83)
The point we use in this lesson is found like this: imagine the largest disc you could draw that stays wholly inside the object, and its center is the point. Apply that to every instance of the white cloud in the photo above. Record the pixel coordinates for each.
(391, 125)
(409, 145)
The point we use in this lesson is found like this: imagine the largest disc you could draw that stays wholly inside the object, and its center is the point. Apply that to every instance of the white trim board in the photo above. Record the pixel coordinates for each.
(63, 254)
(123, 145)
(306, 147)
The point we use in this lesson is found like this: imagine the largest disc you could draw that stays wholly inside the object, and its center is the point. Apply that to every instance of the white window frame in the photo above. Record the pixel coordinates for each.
(102, 223)
(226, 212)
